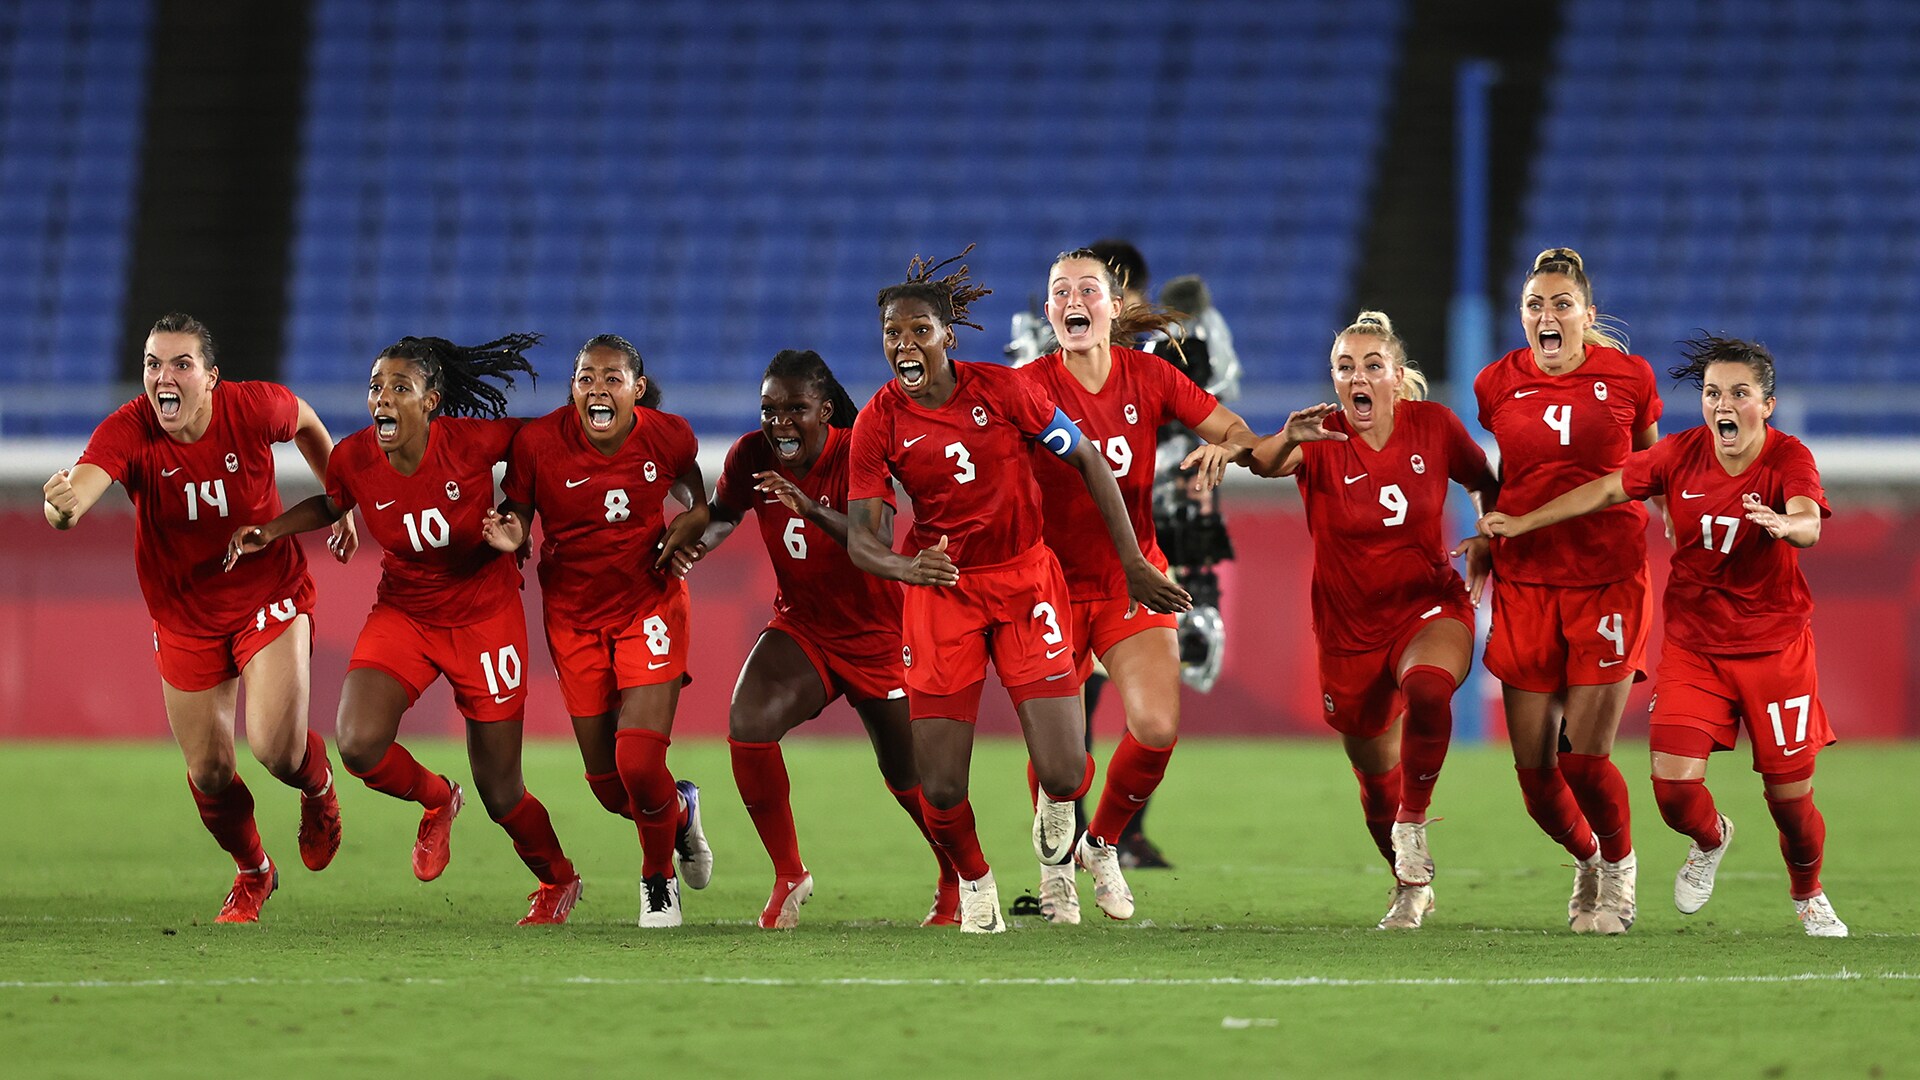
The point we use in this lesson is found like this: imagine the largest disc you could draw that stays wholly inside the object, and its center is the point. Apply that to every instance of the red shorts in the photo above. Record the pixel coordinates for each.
(595, 665)
(1017, 612)
(191, 663)
(1547, 637)
(1361, 691)
(1776, 695)
(865, 676)
(1101, 623)
(484, 662)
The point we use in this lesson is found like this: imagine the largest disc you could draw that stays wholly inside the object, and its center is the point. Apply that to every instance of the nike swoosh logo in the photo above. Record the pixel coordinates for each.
(1790, 753)
(1525, 393)
(1610, 663)
(577, 483)
(1351, 479)
(913, 440)
(1691, 494)
(1056, 652)
(1136, 798)
(658, 664)
(1424, 777)
(170, 472)
(503, 700)
(1057, 678)
(1431, 612)
(384, 505)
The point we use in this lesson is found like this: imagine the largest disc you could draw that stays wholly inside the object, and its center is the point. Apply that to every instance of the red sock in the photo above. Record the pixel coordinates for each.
(611, 793)
(641, 757)
(953, 831)
(534, 840)
(1803, 841)
(760, 772)
(1687, 807)
(1132, 776)
(229, 817)
(1423, 743)
(400, 776)
(1602, 793)
(1555, 810)
(1033, 787)
(1379, 802)
(314, 767)
(910, 801)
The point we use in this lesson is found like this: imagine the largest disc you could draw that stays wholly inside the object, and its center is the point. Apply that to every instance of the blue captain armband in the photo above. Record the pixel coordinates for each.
(1060, 435)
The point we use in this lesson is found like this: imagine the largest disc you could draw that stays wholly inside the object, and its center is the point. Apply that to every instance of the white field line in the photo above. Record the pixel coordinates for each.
(1253, 982)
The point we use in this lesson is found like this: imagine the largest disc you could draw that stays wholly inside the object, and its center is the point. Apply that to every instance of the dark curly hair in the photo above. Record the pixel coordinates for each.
(949, 297)
(461, 372)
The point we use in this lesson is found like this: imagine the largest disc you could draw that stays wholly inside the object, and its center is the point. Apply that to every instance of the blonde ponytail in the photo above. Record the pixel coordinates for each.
(1413, 382)
(1606, 330)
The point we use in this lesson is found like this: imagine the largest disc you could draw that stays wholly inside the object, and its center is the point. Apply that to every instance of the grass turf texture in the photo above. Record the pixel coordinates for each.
(1255, 956)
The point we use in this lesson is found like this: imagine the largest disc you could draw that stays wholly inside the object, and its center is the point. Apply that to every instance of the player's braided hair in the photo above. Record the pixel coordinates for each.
(1606, 330)
(949, 297)
(460, 372)
(807, 367)
(1707, 350)
(1134, 319)
(635, 366)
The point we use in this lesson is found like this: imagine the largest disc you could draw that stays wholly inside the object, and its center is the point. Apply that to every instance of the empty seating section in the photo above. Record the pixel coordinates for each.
(72, 79)
(1747, 168)
(722, 180)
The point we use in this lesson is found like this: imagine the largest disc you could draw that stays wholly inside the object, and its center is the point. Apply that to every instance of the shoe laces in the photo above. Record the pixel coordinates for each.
(1613, 886)
(657, 895)
(1694, 870)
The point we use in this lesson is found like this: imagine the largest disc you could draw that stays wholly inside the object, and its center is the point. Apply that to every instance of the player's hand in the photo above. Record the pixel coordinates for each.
(503, 532)
(61, 499)
(1478, 551)
(932, 567)
(344, 538)
(1765, 516)
(1498, 524)
(1209, 462)
(246, 540)
(786, 491)
(1666, 522)
(683, 535)
(684, 558)
(1310, 425)
(1158, 592)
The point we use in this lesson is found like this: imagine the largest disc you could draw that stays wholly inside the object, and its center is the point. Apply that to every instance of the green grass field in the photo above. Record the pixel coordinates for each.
(1256, 956)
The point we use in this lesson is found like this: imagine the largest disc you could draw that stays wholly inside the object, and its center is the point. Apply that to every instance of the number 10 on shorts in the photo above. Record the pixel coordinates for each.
(505, 668)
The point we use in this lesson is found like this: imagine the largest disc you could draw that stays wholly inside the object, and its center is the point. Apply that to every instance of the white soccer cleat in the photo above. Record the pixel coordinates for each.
(1586, 894)
(1412, 863)
(782, 911)
(1693, 885)
(690, 843)
(980, 906)
(1059, 900)
(1410, 904)
(1817, 917)
(1053, 831)
(1110, 891)
(1614, 909)
(659, 902)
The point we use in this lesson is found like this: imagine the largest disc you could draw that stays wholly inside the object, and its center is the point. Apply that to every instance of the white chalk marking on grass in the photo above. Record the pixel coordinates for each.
(1241, 1023)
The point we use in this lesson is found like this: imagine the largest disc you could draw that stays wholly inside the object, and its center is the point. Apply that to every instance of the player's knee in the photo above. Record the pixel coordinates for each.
(211, 777)
(1155, 729)
(499, 794)
(361, 756)
(943, 793)
(1060, 780)
(758, 722)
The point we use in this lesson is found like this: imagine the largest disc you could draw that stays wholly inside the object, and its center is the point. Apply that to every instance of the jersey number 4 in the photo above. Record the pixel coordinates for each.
(1560, 419)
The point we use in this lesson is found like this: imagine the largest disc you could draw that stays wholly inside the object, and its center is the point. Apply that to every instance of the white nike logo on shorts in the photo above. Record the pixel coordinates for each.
(577, 483)
(1056, 652)
(1057, 678)
(1610, 663)
(1431, 613)
(503, 700)
(658, 664)
(1790, 753)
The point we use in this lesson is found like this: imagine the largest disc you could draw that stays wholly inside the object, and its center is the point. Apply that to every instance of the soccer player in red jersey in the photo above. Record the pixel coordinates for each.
(955, 435)
(835, 629)
(1739, 635)
(448, 604)
(195, 453)
(1392, 618)
(1571, 604)
(1118, 397)
(597, 470)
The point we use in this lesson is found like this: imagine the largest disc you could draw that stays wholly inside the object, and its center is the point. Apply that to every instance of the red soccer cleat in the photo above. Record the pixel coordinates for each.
(434, 845)
(320, 826)
(946, 905)
(783, 907)
(552, 903)
(250, 890)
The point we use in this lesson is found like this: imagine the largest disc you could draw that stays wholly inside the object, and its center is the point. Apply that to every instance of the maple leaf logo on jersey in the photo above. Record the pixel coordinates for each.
(1328, 698)
(1133, 414)
(906, 655)
(652, 473)
(453, 491)
(1600, 391)
(980, 415)
(233, 462)
(1419, 464)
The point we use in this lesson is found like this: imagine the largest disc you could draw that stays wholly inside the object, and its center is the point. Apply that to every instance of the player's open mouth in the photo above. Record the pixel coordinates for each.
(600, 417)
(1729, 431)
(169, 403)
(385, 428)
(1078, 323)
(786, 448)
(1362, 406)
(1550, 342)
(912, 373)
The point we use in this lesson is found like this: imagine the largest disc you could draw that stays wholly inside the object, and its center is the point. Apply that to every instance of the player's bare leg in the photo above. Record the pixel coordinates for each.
(277, 680)
(371, 705)
(202, 722)
(1533, 732)
(1055, 729)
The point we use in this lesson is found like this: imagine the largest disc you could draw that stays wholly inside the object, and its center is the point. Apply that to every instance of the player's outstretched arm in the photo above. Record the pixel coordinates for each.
(70, 493)
(1279, 453)
(869, 524)
(1228, 441)
(680, 547)
(831, 521)
(1145, 583)
(722, 519)
(1799, 526)
(1596, 494)
(306, 515)
(315, 443)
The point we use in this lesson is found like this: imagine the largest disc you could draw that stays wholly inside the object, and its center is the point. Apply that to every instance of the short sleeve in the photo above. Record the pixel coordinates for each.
(116, 442)
(272, 407)
(867, 475)
(1800, 477)
(1025, 405)
(337, 490)
(1650, 406)
(1645, 473)
(517, 486)
(1466, 461)
(1483, 393)
(736, 478)
(1185, 400)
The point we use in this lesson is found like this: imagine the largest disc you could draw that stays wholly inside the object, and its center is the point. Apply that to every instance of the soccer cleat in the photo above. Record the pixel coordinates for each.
(1110, 892)
(433, 846)
(1139, 853)
(1693, 885)
(1409, 906)
(980, 906)
(1059, 900)
(1053, 830)
(946, 905)
(320, 826)
(783, 907)
(1614, 909)
(659, 902)
(553, 903)
(690, 843)
(252, 887)
(1586, 894)
(1817, 917)
(1412, 862)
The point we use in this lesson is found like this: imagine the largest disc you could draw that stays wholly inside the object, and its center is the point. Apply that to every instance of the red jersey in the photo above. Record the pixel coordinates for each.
(1555, 433)
(1123, 417)
(189, 498)
(1378, 518)
(600, 515)
(437, 568)
(820, 588)
(1734, 588)
(964, 464)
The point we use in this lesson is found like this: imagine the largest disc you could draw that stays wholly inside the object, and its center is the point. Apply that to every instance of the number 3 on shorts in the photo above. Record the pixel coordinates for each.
(659, 643)
(1044, 611)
